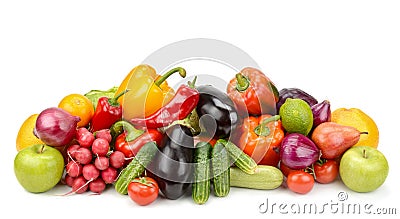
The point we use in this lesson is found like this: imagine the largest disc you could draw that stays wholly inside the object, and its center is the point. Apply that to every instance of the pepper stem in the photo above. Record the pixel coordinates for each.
(262, 129)
(192, 84)
(242, 82)
(132, 132)
(161, 79)
(114, 101)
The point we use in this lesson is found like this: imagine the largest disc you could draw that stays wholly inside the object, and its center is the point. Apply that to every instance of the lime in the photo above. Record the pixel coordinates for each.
(296, 116)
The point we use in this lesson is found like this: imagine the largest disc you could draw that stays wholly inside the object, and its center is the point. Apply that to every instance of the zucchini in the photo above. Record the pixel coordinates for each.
(201, 186)
(265, 177)
(241, 159)
(220, 167)
(136, 167)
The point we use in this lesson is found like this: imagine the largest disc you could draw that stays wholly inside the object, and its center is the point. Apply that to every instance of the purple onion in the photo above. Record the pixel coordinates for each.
(321, 112)
(298, 152)
(56, 127)
(294, 93)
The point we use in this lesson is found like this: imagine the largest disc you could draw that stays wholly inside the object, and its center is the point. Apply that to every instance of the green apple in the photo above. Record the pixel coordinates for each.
(363, 168)
(38, 168)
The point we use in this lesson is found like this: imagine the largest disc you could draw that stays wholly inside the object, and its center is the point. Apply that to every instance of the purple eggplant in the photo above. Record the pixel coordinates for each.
(321, 112)
(298, 151)
(294, 93)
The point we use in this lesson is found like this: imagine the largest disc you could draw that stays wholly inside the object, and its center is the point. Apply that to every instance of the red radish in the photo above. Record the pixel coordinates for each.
(97, 185)
(79, 186)
(86, 139)
(104, 134)
(100, 147)
(83, 156)
(69, 180)
(90, 172)
(80, 131)
(73, 169)
(71, 150)
(117, 159)
(109, 175)
(101, 163)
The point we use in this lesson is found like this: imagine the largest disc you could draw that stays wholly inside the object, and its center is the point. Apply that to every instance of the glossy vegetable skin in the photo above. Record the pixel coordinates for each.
(217, 108)
(294, 93)
(172, 166)
(253, 92)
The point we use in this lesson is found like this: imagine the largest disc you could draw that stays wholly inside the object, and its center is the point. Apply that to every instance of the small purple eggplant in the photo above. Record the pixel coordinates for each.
(321, 112)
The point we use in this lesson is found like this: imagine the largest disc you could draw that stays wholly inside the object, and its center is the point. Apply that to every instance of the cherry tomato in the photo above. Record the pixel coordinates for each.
(300, 182)
(285, 169)
(326, 171)
(143, 190)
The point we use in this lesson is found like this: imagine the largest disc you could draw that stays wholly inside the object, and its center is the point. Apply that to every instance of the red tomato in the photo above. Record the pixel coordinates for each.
(300, 182)
(326, 172)
(285, 169)
(143, 190)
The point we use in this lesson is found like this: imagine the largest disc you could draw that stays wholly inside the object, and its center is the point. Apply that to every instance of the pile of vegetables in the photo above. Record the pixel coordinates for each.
(144, 138)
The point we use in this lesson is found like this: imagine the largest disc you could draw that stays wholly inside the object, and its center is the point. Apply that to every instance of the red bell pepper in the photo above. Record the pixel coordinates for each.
(261, 138)
(129, 140)
(179, 107)
(108, 111)
(253, 92)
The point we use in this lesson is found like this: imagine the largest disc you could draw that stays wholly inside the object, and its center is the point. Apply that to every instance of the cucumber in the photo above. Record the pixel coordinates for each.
(201, 186)
(136, 167)
(220, 168)
(241, 159)
(265, 177)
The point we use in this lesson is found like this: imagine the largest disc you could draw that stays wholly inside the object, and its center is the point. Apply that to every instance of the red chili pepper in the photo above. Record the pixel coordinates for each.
(179, 107)
(131, 139)
(253, 92)
(108, 111)
(261, 138)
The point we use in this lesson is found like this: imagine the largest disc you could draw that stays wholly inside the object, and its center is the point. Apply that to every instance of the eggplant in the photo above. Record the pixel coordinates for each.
(172, 166)
(294, 93)
(218, 115)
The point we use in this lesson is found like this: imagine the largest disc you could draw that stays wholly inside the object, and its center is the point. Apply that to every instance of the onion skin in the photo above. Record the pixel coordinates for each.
(56, 127)
(298, 151)
(321, 112)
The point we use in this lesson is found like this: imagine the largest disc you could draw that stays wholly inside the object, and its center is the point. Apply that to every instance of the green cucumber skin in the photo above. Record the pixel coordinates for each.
(265, 178)
(241, 159)
(202, 186)
(136, 167)
(220, 167)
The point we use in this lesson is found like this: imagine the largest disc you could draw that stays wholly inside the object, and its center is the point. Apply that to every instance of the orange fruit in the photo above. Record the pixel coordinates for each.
(25, 137)
(361, 121)
(78, 105)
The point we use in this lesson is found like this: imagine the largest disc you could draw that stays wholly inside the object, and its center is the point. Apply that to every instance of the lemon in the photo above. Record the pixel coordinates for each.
(25, 137)
(361, 121)
(296, 116)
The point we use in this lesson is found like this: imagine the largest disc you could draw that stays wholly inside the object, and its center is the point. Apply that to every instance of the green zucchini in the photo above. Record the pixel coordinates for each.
(136, 167)
(220, 167)
(241, 159)
(201, 186)
(265, 177)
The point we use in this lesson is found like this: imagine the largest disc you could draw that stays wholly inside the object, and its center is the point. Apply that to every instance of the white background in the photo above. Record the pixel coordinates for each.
(344, 51)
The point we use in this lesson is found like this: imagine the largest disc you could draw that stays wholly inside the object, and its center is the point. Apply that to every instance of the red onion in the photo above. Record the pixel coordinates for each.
(56, 127)
(321, 112)
(298, 152)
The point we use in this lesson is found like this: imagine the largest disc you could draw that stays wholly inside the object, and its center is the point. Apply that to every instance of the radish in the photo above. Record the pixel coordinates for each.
(69, 180)
(73, 169)
(71, 150)
(101, 163)
(97, 185)
(117, 159)
(83, 155)
(79, 186)
(100, 147)
(90, 172)
(104, 134)
(86, 139)
(109, 175)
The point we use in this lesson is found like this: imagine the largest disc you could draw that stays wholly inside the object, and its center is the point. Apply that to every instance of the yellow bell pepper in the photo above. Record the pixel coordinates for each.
(148, 91)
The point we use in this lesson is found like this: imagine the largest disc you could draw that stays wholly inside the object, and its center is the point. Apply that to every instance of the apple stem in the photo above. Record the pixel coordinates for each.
(365, 154)
(41, 149)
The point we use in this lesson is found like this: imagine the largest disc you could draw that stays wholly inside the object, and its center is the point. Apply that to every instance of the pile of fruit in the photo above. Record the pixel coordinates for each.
(144, 138)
